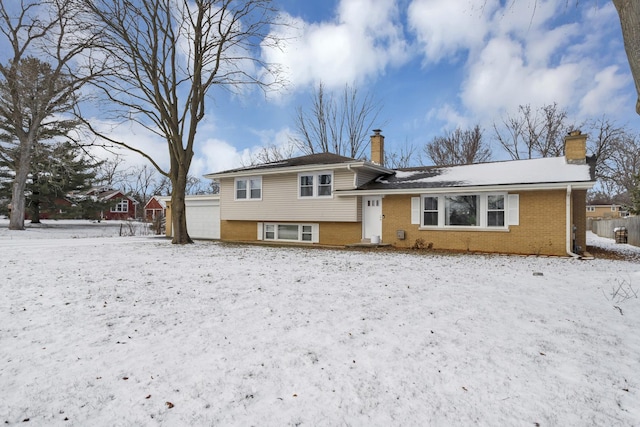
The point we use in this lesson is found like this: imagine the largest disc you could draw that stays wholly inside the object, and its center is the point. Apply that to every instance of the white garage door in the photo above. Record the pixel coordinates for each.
(203, 216)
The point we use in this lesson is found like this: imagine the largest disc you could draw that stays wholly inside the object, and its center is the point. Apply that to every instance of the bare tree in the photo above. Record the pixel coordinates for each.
(533, 133)
(166, 56)
(405, 156)
(604, 139)
(112, 173)
(336, 124)
(140, 182)
(629, 13)
(458, 148)
(619, 172)
(270, 153)
(40, 77)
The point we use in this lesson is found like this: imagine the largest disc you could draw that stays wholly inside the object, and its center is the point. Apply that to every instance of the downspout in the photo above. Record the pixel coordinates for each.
(355, 175)
(569, 226)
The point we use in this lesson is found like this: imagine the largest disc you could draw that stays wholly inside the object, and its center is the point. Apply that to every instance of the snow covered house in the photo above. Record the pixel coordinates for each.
(535, 206)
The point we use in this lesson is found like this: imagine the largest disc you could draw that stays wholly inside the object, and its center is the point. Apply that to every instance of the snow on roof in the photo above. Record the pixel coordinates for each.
(533, 171)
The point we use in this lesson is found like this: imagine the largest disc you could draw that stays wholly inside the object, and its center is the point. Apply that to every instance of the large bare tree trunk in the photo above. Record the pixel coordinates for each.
(178, 208)
(629, 12)
(167, 55)
(16, 220)
(18, 201)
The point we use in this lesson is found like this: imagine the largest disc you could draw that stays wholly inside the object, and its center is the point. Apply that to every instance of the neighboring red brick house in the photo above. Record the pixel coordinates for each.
(155, 208)
(120, 205)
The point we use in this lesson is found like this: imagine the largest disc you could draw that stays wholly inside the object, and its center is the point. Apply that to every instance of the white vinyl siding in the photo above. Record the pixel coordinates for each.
(365, 176)
(280, 201)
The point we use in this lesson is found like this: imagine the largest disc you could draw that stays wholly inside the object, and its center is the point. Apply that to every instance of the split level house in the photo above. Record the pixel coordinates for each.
(535, 206)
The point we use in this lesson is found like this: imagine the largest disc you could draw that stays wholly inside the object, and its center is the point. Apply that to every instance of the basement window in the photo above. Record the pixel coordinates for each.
(288, 232)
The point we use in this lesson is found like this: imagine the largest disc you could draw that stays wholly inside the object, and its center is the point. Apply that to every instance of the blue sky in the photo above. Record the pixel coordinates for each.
(433, 65)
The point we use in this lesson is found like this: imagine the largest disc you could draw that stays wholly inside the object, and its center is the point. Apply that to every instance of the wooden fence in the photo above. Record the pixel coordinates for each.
(605, 227)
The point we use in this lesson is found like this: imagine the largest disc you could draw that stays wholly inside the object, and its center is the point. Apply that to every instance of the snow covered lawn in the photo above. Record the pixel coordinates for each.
(133, 331)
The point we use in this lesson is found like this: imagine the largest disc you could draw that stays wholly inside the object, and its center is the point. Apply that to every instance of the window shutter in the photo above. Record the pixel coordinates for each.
(415, 210)
(315, 233)
(260, 230)
(514, 209)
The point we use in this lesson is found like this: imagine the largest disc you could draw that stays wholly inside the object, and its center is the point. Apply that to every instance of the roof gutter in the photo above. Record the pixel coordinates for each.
(296, 169)
(569, 225)
(470, 189)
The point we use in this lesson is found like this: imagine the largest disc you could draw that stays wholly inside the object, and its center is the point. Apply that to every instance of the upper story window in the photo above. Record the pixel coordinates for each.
(315, 184)
(469, 210)
(591, 208)
(249, 188)
(121, 206)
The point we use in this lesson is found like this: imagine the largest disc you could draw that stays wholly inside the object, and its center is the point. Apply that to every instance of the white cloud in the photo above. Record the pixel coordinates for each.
(445, 27)
(501, 79)
(598, 99)
(215, 155)
(137, 137)
(520, 52)
(360, 43)
(218, 155)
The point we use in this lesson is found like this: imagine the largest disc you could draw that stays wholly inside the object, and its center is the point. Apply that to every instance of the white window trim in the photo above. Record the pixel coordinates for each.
(483, 212)
(262, 230)
(122, 202)
(316, 184)
(248, 180)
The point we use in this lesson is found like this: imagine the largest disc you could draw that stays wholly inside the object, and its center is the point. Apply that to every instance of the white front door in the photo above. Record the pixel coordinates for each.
(372, 216)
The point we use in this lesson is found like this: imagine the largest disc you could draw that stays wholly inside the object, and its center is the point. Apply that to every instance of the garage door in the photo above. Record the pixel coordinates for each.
(203, 216)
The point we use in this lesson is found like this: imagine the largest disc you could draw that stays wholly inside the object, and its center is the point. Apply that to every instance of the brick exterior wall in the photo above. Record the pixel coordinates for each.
(330, 233)
(580, 217)
(575, 147)
(541, 231)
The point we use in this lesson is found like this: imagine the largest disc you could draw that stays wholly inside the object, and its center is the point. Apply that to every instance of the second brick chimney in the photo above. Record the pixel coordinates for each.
(575, 147)
(377, 147)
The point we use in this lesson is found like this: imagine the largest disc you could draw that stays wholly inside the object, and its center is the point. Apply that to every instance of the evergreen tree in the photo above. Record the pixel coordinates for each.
(58, 171)
(58, 175)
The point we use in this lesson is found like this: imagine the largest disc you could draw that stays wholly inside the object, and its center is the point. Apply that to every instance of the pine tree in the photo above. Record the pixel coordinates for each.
(57, 172)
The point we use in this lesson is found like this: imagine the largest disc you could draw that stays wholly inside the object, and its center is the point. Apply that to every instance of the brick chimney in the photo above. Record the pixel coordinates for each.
(377, 147)
(575, 147)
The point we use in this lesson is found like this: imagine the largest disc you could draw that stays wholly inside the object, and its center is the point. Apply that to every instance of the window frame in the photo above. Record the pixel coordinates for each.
(482, 211)
(307, 232)
(316, 185)
(121, 207)
(248, 183)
